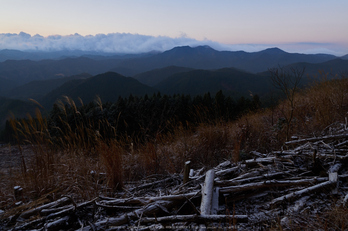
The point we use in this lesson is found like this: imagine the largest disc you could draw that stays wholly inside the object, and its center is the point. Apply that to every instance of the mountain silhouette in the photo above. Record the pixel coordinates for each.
(108, 86)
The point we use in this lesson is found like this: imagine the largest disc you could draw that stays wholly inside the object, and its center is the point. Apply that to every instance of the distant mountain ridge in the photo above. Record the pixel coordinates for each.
(151, 68)
(181, 70)
(204, 57)
(39, 88)
(153, 77)
(108, 86)
(230, 80)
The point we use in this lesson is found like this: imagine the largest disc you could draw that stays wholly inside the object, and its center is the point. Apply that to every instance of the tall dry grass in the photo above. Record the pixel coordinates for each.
(79, 162)
(82, 162)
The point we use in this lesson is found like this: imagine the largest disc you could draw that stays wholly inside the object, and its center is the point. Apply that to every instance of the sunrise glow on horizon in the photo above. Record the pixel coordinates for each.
(311, 26)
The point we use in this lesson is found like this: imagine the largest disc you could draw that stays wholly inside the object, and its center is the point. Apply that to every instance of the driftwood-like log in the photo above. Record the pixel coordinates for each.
(266, 160)
(150, 209)
(227, 171)
(46, 212)
(207, 193)
(62, 201)
(239, 181)
(116, 206)
(186, 172)
(194, 218)
(30, 225)
(58, 224)
(313, 139)
(18, 192)
(146, 200)
(126, 202)
(270, 183)
(302, 192)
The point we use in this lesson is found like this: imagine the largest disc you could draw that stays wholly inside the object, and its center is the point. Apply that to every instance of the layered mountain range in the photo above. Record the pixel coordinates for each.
(48, 76)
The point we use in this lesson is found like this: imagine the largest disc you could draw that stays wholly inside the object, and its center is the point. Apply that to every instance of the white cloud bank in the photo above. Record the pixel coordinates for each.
(135, 43)
(113, 43)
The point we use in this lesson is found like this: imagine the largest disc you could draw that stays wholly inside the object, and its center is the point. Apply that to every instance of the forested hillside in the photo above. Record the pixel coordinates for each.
(143, 117)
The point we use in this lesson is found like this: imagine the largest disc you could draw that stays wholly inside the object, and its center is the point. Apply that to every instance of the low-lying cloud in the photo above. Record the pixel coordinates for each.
(113, 43)
(136, 43)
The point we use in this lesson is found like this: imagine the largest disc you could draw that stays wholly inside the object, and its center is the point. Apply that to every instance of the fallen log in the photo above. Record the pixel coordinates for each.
(46, 212)
(207, 193)
(270, 183)
(194, 218)
(59, 224)
(116, 206)
(150, 209)
(313, 139)
(146, 200)
(30, 225)
(36, 211)
(250, 179)
(186, 172)
(302, 192)
(227, 171)
(266, 160)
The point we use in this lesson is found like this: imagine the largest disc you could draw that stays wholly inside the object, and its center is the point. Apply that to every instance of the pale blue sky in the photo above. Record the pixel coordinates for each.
(315, 24)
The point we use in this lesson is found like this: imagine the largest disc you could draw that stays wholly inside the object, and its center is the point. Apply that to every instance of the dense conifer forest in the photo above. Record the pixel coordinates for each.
(142, 118)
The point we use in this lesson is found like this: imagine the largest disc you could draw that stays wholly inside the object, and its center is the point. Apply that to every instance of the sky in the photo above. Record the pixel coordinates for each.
(303, 26)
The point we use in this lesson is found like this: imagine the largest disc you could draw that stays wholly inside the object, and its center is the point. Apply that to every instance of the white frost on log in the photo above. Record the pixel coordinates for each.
(194, 218)
(339, 136)
(207, 193)
(301, 192)
(227, 171)
(35, 211)
(146, 200)
(270, 183)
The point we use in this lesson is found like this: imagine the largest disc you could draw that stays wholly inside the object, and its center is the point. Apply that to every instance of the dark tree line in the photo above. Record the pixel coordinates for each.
(145, 117)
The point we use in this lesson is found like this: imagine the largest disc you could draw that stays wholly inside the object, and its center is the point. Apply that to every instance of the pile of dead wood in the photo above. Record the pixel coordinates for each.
(277, 189)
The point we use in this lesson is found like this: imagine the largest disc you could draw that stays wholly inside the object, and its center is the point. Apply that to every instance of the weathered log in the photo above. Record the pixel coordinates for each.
(45, 212)
(116, 206)
(59, 224)
(247, 175)
(224, 183)
(339, 136)
(186, 171)
(69, 210)
(60, 202)
(266, 160)
(287, 152)
(302, 192)
(146, 200)
(298, 205)
(207, 193)
(30, 225)
(270, 183)
(194, 218)
(18, 192)
(129, 201)
(150, 209)
(335, 168)
(227, 171)
(223, 165)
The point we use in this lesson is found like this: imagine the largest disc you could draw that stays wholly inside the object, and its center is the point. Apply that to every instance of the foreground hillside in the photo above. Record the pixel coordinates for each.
(106, 168)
